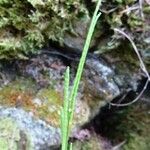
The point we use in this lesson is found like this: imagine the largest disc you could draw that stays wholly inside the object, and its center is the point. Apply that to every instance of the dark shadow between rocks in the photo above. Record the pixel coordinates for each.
(110, 121)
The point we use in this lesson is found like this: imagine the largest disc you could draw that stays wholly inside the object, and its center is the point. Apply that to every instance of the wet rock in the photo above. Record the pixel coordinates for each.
(38, 110)
(37, 91)
(76, 41)
(100, 79)
(41, 135)
(44, 69)
(126, 67)
(99, 85)
(44, 103)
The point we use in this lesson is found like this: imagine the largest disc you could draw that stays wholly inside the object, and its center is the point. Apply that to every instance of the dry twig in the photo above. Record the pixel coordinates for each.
(141, 8)
(142, 65)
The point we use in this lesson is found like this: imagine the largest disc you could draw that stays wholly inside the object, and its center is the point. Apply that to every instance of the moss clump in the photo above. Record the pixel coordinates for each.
(8, 130)
(120, 13)
(10, 135)
(127, 16)
(51, 103)
(27, 25)
(130, 125)
(137, 132)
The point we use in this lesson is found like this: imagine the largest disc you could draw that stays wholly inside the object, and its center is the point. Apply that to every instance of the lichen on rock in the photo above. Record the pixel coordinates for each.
(11, 136)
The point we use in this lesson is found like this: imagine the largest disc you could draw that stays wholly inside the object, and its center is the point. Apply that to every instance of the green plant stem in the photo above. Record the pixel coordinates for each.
(64, 112)
(69, 102)
(82, 60)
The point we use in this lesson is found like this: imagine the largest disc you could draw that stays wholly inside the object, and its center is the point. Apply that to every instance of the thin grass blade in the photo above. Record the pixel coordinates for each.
(64, 114)
(82, 60)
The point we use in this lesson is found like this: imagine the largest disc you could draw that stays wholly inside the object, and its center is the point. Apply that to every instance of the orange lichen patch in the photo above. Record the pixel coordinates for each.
(17, 94)
(45, 104)
(16, 98)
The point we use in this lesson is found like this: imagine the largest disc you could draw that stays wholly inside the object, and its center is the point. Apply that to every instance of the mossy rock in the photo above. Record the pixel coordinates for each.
(25, 26)
(45, 103)
(11, 136)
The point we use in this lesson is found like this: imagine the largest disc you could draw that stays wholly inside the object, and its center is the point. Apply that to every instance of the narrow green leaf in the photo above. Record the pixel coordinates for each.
(69, 102)
(70, 146)
(82, 59)
(65, 119)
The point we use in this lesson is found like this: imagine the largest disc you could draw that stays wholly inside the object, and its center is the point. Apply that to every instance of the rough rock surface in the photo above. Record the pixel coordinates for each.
(39, 134)
(35, 88)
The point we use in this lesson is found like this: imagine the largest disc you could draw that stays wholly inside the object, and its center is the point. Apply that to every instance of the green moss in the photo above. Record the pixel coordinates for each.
(8, 130)
(23, 93)
(4, 144)
(123, 17)
(27, 25)
(135, 21)
(10, 135)
(45, 103)
(137, 132)
(93, 143)
(130, 125)
(138, 143)
(146, 9)
(51, 103)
